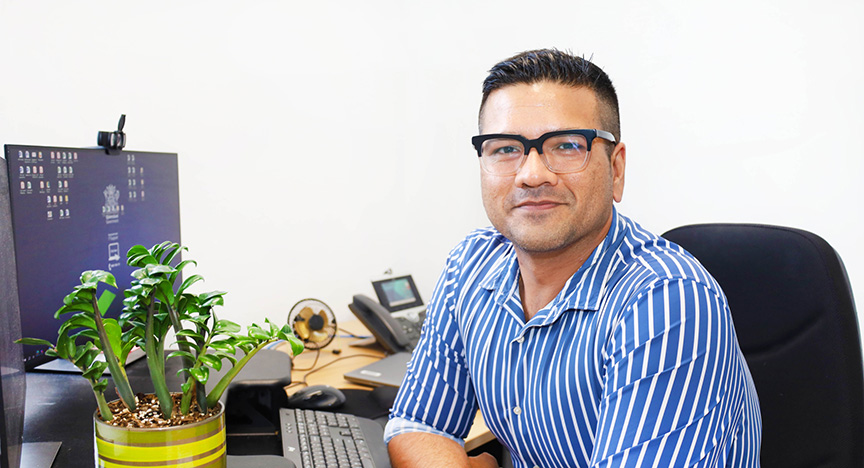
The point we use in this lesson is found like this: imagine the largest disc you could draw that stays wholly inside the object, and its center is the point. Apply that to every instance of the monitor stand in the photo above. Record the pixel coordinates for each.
(39, 454)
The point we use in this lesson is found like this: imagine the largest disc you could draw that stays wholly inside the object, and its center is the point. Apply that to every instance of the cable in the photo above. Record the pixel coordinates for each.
(352, 334)
(335, 361)
(317, 355)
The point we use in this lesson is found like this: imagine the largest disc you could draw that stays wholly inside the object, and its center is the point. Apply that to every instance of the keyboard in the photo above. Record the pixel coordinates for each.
(318, 439)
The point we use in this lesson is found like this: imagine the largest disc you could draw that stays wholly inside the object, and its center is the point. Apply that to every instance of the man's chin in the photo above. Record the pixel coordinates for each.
(537, 241)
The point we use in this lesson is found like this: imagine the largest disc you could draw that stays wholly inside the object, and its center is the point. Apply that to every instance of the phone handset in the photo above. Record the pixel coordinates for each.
(378, 320)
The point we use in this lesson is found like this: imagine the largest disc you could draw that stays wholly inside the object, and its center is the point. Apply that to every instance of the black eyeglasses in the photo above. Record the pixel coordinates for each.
(562, 151)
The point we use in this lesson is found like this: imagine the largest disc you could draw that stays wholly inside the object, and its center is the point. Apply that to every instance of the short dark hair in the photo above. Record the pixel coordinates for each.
(558, 67)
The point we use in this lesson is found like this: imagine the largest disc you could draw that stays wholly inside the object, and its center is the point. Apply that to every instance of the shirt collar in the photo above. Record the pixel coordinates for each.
(583, 291)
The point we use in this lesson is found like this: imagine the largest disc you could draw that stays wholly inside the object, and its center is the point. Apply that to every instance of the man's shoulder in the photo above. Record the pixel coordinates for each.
(485, 239)
(659, 259)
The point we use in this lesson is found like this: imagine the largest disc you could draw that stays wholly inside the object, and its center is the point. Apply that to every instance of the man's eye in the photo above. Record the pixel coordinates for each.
(570, 147)
(508, 150)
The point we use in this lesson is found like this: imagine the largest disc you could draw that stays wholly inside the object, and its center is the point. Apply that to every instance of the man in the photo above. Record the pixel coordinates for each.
(583, 339)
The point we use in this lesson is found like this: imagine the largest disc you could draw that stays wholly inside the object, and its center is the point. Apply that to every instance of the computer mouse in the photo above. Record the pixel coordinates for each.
(317, 397)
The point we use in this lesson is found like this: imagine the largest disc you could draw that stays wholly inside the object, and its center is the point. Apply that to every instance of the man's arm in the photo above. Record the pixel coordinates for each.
(676, 391)
(420, 449)
(435, 406)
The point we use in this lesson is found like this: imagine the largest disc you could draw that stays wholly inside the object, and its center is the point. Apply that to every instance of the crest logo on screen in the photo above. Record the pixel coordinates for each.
(111, 208)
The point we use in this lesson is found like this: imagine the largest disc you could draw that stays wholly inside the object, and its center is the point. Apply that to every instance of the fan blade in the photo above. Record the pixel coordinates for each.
(302, 329)
(306, 313)
(318, 336)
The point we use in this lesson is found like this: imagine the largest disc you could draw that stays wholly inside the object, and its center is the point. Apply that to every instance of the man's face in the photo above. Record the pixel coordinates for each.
(538, 210)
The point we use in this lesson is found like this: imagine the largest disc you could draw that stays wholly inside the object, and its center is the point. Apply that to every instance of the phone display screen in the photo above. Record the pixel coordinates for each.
(397, 293)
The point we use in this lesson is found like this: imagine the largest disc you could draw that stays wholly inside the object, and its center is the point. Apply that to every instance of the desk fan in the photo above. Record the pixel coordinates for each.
(313, 322)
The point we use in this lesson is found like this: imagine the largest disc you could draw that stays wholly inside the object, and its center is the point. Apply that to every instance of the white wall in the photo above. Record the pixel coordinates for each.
(322, 143)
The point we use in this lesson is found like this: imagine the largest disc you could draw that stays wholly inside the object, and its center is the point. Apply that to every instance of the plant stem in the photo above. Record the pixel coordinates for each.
(220, 387)
(156, 364)
(121, 381)
(186, 401)
(181, 341)
(104, 410)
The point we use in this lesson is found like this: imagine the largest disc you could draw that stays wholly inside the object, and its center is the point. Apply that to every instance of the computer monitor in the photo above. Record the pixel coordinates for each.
(82, 209)
(12, 378)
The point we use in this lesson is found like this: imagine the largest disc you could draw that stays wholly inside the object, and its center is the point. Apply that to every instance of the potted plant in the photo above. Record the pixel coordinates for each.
(164, 429)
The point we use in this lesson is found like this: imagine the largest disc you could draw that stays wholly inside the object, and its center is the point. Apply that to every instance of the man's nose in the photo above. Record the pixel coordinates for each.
(534, 172)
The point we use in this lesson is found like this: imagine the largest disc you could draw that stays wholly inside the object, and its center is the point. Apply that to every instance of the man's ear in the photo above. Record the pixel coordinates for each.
(618, 161)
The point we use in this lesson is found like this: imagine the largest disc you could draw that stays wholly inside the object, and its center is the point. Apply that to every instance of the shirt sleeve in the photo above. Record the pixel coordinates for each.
(398, 426)
(437, 394)
(675, 388)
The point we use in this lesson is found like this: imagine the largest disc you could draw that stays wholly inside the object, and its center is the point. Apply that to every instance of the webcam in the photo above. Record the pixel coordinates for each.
(113, 140)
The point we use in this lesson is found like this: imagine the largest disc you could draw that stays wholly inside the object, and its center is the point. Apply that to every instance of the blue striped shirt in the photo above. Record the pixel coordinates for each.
(634, 363)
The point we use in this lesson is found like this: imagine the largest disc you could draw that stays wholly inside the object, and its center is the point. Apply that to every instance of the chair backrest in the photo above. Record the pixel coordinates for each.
(796, 323)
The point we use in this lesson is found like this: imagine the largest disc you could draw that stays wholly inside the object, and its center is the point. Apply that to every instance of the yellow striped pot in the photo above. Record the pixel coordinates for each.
(198, 445)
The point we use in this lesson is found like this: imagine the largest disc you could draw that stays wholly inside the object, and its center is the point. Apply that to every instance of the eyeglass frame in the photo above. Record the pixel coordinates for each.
(537, 143)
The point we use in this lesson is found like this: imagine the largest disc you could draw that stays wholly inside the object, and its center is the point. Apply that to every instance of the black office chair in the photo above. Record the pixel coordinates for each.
(795, 318)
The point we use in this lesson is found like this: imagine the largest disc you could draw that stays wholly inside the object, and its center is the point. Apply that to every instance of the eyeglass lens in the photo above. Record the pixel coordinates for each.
(561, 154)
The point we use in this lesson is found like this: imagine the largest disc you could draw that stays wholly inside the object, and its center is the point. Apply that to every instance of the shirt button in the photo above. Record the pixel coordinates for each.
(517, 410)
(520, 339)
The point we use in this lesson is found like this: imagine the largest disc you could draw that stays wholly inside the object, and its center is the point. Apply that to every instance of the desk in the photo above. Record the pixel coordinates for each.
(333, 374)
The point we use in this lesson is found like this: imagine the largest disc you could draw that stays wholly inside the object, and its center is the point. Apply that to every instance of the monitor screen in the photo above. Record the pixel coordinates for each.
(82, 209)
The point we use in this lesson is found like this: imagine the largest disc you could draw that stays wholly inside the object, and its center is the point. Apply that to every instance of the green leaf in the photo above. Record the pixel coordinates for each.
(98, 276)
(198, 319)
(257, 333)
(187, 332)
(115, 333)
(35, 342)
(200, 374)
(138, 255)
(167, 292)
(85, 357)
(186, 386)
(189, 282)
(227, 356)
(226, 326)
(296, 345)
(65, 346)
(212, 298)
(184, 264)
(211, 361)
(95, 370)
(149, 281)
(79, 320)
(191, 344)
(223, 345)
(78, 295)
(158, 269)
(91, 335)
(139, 274)
(100, 386)
(174, 250)
(74, 307)
(185, 354)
